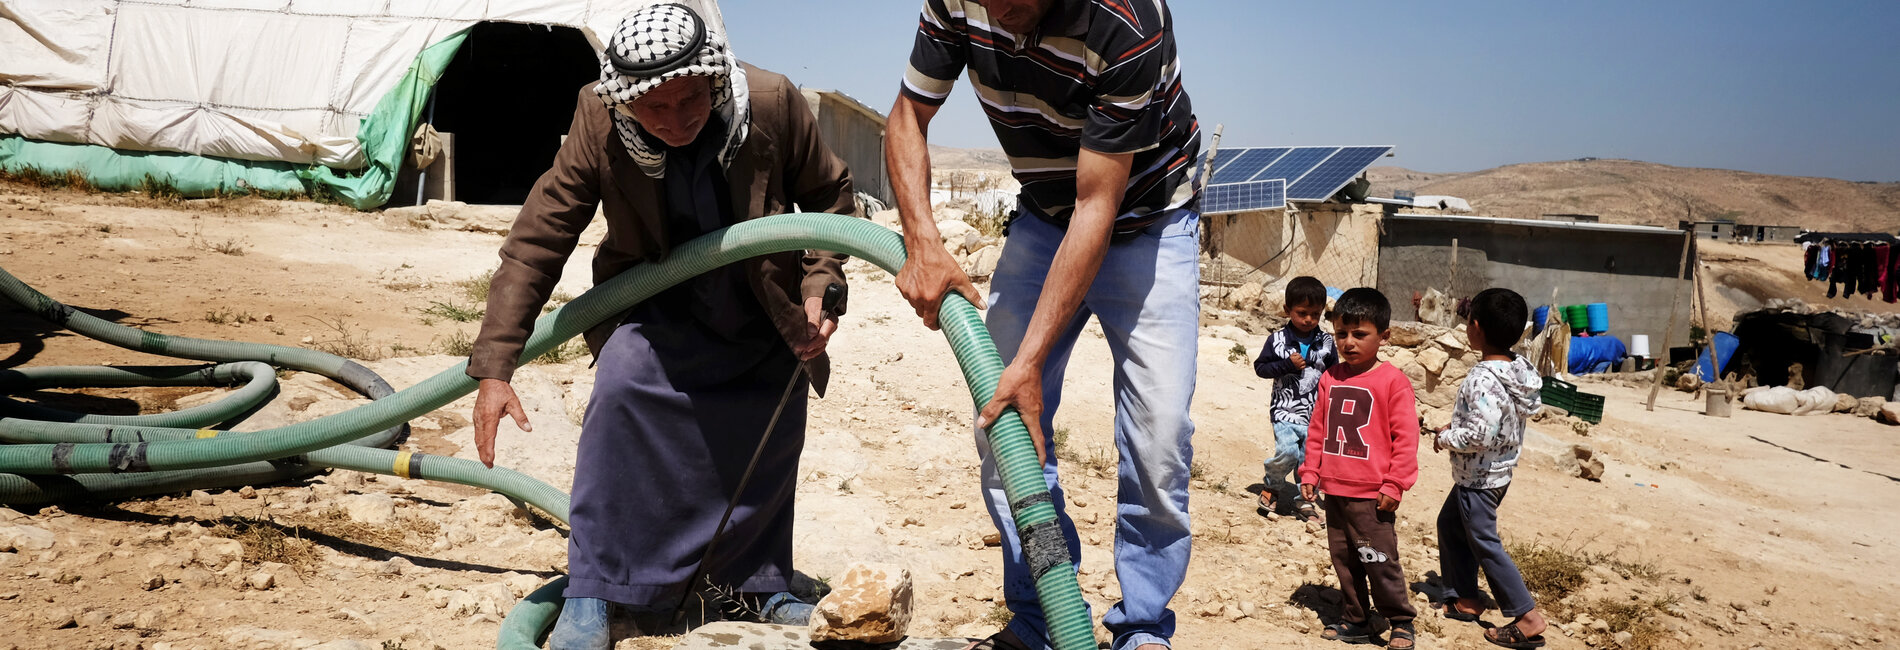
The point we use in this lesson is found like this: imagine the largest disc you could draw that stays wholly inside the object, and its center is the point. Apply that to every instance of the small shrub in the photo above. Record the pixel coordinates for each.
(224, 316)
(163, 190)
(1237, 354)
(476, 288)
(1551, 573)
(349, 342)
(563, 353)
(459, 344)
(999, 615)
(458, 312)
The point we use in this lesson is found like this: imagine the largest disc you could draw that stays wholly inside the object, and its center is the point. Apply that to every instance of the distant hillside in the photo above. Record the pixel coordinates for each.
(981, 159)
(1635, 192)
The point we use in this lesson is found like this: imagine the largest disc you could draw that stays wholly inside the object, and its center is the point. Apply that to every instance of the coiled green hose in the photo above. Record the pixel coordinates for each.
(169, 448)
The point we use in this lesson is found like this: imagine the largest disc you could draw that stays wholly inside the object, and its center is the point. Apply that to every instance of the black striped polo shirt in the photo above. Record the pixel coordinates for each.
(1100, 74)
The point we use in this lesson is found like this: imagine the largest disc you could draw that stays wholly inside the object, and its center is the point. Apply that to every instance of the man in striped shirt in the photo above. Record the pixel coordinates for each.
(1085, 97)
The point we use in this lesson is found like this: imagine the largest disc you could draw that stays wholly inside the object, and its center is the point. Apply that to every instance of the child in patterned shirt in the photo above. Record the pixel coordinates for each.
(1486, 433)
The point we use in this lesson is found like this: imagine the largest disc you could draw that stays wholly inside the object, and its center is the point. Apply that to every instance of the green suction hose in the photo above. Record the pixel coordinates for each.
(36, 467)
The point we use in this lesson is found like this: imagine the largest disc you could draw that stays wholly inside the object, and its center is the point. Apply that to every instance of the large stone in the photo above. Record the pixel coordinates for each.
(956, 234)
(729, 635)
(491, 510)
(1844, 403)
(1453, 340)
(1870, 406)
(1890, 413)
(1455, 370)
(373, 509)
(1246, 297)
(1433, 360)
(982, 263)
(493, 597)
(1435, 418)
(1409, 334)
(870, 604)
(25, 538)
(216, 554)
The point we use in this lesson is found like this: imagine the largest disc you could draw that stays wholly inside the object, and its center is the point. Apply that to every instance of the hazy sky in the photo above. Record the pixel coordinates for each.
(1782, 87)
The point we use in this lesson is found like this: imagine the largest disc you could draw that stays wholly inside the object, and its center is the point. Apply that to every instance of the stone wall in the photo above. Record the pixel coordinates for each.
(1632, 270)
(1335, 242)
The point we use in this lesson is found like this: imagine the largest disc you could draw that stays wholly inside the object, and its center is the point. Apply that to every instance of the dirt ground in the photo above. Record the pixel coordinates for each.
(1755, 531)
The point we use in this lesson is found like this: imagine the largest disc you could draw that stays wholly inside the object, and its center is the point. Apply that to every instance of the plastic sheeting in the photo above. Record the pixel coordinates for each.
(293, 81)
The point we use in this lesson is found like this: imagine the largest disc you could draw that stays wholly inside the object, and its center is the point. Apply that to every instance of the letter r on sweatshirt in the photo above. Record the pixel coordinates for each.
(1347, 414)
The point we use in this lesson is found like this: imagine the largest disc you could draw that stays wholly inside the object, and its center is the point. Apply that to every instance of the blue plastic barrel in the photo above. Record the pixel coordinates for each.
(1594, 354)
(1725, 345)
(1598, 314)
(1538, 318)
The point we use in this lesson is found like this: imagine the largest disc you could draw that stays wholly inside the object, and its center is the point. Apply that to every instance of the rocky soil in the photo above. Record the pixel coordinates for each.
(1757, 531)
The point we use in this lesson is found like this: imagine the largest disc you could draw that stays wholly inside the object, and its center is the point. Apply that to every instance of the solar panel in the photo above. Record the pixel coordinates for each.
(1243, 197)
(1335, 172)
(1265, 178)
(1295, 164)
(1245, 164)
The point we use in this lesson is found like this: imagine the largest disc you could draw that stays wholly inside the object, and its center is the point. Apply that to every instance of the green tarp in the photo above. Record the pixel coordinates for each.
(384, 135)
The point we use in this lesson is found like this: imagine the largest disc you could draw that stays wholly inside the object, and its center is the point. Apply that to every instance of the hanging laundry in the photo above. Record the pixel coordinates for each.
(1873, 261)
(1883, 262)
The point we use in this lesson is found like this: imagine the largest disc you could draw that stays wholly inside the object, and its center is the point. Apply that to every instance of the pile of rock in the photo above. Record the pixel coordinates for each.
(975, 252)
(1436, 359)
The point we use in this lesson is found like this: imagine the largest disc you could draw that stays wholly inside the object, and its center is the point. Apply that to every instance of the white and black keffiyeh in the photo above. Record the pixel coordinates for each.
(659, 43)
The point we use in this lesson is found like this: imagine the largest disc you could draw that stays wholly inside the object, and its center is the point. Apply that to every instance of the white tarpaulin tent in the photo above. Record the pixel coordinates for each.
(326, 90)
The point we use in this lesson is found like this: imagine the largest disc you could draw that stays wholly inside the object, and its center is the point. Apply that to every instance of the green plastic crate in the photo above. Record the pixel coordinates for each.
(1564, 395)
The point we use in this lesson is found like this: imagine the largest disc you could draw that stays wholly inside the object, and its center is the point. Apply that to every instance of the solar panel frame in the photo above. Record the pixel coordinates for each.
(1229, 198)
(1327, 177)
(1245, 164)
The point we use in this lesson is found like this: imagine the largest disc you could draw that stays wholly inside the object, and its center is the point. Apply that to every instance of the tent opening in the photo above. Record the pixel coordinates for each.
(508, 97)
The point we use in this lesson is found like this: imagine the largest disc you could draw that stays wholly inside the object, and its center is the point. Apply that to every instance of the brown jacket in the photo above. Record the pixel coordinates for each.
(782, 163)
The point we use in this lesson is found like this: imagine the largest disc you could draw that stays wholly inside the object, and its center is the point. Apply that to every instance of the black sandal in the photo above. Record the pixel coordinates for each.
(1346, 632)
(1267, 505)
(1402, 631)
(1510, 636)
(1451, 612)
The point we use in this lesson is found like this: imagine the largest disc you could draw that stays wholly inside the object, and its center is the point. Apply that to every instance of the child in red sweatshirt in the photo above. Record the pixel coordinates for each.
(1362, 451)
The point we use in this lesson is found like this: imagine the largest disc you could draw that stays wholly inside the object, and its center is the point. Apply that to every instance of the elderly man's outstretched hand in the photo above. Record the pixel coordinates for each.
(494, 398)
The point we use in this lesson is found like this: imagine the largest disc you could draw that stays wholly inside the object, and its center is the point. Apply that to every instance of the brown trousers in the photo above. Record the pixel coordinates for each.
(1366, 556)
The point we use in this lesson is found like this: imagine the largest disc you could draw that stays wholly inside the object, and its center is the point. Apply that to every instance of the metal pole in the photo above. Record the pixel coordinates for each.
(1675, 302)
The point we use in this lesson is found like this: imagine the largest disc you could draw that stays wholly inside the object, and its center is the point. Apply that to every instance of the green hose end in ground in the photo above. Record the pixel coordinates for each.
(531, 619)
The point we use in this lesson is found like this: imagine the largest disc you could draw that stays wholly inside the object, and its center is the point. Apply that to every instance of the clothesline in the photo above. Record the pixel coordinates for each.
(1851, 267)
(1846, 237)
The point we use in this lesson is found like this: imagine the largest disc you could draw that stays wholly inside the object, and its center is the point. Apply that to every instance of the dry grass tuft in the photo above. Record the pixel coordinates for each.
(1551, 573)
(269, 541)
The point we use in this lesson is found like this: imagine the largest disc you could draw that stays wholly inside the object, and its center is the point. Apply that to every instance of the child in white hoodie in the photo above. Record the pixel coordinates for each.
(1485, 436)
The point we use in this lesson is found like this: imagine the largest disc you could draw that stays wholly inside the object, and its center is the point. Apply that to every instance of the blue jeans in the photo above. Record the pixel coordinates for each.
(1289, 450)
(1146, 297)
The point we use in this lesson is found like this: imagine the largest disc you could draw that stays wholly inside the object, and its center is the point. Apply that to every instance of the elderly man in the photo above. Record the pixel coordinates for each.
(676, 140)
(1085, 96)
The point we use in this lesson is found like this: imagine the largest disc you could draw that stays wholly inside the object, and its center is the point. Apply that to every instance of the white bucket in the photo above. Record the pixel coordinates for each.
(1639, 345)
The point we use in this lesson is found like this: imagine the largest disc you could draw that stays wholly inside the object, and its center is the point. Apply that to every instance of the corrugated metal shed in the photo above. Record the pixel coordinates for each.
(856, 133)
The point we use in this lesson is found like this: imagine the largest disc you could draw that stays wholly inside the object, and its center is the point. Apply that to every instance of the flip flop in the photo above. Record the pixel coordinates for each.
(1451, 612)
(1267, 504)
(1509, 636)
